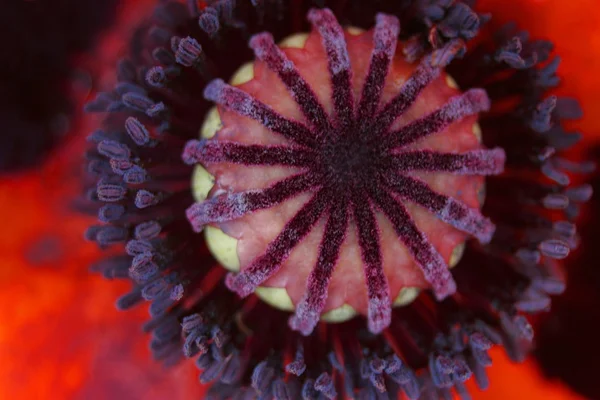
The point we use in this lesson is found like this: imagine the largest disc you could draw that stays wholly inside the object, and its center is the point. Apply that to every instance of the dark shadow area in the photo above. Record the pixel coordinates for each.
(39, 39)
(568, 345)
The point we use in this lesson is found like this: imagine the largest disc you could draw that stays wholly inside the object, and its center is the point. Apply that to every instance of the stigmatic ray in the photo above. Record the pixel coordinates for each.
(356, 163)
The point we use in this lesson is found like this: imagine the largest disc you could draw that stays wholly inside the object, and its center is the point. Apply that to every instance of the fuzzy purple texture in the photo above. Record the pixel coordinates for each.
(352, 162)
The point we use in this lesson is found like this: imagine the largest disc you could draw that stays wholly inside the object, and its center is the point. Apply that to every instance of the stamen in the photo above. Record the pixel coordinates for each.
(209, 21)
(145, 199)
(511, 54)
(543, 112)
(122, 88)
(128, 300)
(460, 20)
(110, 192)
(126, 71)
(565, 228)
(143, 268)
(232, 370)
(552, 173)
(162, 56)
(556, 201)
(441, 57)
(135, 247)
(147, 230)
(99, 104)
(580, 194)
(98, 168)
(111, 212)
(325, 385)
(554, 248)
(137, 101)
(297, 367)
(188, 51)
(114, 150)
(135, 175)
(584, 167)
(109, 234)
(262, 377)
(280, 390)
(137, 131)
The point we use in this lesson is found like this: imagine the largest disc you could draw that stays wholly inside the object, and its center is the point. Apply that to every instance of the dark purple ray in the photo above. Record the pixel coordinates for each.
(475, 162)
(338, 60)
(379, 312)
(426, 72)
(267, 51)
(212, 151)
(435, 269)
(458, 107)
(228, 207)
(263, 267)
(449, 210)
(385, 40)
(309, 310)
(242, 103)
(409, 92)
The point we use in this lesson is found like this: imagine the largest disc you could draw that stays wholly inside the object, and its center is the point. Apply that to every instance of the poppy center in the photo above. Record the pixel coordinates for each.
(347, 163)
(339, 183)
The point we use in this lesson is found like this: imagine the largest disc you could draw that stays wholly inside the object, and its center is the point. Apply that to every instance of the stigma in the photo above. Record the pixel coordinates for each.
(336, 178)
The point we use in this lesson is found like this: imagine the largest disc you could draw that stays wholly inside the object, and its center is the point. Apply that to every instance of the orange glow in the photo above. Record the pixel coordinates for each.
(574, 27)
(60, 335)
(519, 381)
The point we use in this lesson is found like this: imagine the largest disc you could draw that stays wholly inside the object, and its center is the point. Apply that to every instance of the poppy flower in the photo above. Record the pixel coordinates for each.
(365, 168)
